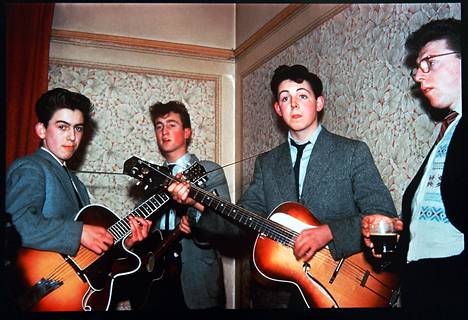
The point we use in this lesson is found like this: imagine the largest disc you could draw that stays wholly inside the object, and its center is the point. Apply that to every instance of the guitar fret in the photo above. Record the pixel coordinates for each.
(269, 228)
(151, 206)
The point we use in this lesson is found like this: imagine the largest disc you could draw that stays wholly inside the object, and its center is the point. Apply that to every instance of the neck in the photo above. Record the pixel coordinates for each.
(305, 134)
(172, 157)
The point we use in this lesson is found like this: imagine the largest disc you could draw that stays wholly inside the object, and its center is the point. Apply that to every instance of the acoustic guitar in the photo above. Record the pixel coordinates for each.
(322, 281)
(57, 282)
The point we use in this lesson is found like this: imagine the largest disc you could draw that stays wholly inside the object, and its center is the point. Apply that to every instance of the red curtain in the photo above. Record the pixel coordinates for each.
(28, 28)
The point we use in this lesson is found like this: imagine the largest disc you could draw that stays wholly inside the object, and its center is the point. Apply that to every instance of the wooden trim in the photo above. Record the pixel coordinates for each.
(282, 46)
(145, 44)
(282, 17)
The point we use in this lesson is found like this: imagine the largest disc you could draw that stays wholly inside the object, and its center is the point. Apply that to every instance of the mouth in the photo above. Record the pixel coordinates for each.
(296, 116)
(426, 90)
(71, 148)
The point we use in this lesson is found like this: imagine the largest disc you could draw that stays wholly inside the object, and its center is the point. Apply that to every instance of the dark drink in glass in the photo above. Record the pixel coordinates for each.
(384, 242)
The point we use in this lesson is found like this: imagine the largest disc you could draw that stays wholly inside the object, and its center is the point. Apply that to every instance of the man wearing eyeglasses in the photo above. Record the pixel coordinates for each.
(431, 245)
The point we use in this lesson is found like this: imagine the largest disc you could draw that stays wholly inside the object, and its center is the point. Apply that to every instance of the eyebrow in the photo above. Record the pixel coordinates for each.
(296, 90)
(167, 121)
(68, 124)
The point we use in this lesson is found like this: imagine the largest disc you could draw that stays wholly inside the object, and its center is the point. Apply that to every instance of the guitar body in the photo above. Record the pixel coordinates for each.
(356, 284)
(158, 268)
(55, 282)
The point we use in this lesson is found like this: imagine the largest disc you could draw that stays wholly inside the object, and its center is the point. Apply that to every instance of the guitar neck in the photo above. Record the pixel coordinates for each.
(122, 228)
(168, 241)
(253, 221)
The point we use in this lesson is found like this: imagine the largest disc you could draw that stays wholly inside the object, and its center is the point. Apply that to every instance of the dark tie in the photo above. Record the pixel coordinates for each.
(166, 221)
(80, 204)
(447, 121)
(297, 164)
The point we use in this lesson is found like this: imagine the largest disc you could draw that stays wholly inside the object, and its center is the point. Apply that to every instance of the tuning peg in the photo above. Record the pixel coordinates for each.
(138, 182)
(146, 187)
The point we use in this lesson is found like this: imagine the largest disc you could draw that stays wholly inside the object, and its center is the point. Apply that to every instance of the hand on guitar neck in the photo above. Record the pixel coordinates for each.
(99, 240)
(179, 191)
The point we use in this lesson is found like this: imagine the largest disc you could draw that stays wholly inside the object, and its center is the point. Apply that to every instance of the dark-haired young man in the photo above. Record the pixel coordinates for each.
(201, 282)
(42, 198)
(432, 244)
(336, 178)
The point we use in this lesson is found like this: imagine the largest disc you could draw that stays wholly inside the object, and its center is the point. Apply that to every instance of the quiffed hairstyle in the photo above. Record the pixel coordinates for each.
(160, 109)
(446, 29)
(296, 73)
(60, 98)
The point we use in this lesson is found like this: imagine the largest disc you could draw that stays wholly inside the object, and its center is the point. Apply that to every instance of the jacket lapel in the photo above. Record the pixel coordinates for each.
(318, 165)
(284, 176)
(59, 171)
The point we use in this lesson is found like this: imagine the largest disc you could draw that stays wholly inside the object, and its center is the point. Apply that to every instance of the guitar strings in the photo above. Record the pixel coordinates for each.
(273, 229)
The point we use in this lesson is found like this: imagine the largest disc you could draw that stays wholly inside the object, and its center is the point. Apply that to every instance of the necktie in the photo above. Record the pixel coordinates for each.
(80, 204)
(297, 164)
(168, 214)
(447, 121)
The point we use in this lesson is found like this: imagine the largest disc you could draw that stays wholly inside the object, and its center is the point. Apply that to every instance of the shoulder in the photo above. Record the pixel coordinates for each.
(341, 142)
(209, 165)
(273, 154)
(30, 162)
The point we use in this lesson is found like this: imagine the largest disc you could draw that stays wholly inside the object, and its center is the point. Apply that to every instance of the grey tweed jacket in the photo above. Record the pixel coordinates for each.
(341, 185)
(42, 202)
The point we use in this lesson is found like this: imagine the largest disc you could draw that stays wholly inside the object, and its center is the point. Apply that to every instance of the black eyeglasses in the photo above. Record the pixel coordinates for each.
(425, 65)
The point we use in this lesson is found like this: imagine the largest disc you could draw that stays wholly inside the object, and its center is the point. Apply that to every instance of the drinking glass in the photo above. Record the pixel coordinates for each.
(383, 236)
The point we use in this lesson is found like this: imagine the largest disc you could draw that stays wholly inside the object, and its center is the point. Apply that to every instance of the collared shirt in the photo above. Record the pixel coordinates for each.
(62, 163)
(305, 155)
(432, 234)
(179, 165)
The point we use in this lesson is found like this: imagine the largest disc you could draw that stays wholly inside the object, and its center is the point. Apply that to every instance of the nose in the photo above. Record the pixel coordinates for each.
(419, 76)
(71, 135)
(294, 103)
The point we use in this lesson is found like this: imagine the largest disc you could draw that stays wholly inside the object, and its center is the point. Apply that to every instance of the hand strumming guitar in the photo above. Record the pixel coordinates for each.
(310, 241)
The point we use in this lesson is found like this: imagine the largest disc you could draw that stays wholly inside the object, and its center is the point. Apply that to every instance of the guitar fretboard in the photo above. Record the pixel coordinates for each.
(266, 227)
(121, 228)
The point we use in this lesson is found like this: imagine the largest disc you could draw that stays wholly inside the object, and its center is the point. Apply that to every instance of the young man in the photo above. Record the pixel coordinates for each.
(43, 197)
(40, 196)
(201, 284)
(335, 178)
(432, 244)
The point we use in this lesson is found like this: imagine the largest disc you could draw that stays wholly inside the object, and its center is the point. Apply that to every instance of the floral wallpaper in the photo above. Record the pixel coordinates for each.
(122, 125)
(359, 55)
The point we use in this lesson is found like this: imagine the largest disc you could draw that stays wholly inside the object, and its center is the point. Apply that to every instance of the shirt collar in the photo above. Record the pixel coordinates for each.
(183, 162)
(458, 108)
(312, 138)
(62, 163)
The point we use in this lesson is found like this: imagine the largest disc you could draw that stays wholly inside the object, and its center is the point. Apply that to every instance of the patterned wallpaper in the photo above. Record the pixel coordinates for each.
(122, 124)
(359, 56)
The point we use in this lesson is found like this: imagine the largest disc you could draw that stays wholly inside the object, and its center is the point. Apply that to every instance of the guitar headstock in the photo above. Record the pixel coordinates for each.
(153, 176)
(150, 175)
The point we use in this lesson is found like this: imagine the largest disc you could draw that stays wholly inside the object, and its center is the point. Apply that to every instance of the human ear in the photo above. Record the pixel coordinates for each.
(320, 103)
(187, 133)
(40, 130)
(278, 109)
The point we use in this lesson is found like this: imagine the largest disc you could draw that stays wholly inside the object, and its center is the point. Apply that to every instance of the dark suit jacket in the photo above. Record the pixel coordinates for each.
(341, 185)
(42, 202)
(453, 188)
